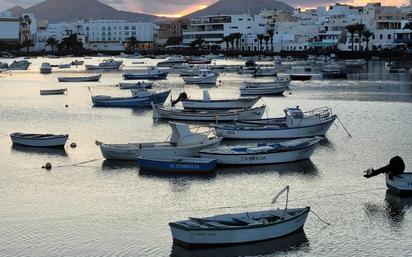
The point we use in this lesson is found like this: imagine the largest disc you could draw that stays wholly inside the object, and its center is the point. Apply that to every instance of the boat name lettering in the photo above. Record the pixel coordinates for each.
(184, 166)
(230, 132)
(253, 158)
(205, 234)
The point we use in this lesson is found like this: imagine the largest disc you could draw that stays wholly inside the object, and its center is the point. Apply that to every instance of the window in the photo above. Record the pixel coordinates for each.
(133, 27)
(389, 36)
(248, 27)
(126, 27)
(234, 27)
(380, 36)
(241, 19)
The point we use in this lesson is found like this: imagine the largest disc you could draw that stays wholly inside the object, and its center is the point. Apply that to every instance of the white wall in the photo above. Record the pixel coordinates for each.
(9, 30)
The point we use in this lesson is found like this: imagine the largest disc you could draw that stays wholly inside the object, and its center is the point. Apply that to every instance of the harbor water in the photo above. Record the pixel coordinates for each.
(86, 206)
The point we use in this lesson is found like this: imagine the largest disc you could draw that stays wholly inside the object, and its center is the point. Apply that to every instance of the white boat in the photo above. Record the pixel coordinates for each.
(45, 68)
(65, 66)
(108, 64)
(200, 60)
(19, 65)
(356, 63)
(77, 63)
(223, 104)
(397, 180)
(288, 151)
(276, 87)
(232, 68)
(135, 85)
(161, 112)
(265, 72)
(150, 73)
(205, 77)
(239, 228)
(183, 142)
(93, 78)
(53, 91)
(295, 124)
(39, 140)
(171, 61)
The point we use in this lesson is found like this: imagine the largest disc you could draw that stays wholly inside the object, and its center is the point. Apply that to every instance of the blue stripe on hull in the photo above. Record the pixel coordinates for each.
(177, 167)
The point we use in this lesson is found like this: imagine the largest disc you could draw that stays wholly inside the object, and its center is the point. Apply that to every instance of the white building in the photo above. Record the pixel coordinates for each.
(213, 28)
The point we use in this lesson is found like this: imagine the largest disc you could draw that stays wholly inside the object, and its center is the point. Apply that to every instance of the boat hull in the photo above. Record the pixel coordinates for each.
(261, 158)
(200, 80)
(401, 184)
(52, 142)
(263, 90)
(144, 76)
(256, 132)
(80, 79)
(220, 104)
(159, 98)
(170, 114)
(177, 165)
(134, 151)
(53, 92)
(217, 236)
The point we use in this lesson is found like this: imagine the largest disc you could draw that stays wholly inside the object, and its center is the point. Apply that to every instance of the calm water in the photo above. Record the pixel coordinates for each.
(86, 206)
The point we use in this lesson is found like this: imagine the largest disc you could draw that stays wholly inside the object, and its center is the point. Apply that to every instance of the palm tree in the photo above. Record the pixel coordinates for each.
(366, 35)
(271, 33)
(226, 39)
(266, 38)
(132, 43)
(197, 42)
(260, 39)
(237, 37)
(27, 44)
(351, 29)
(52, 42)
(232, 40)
(360, 28)
(408, 25)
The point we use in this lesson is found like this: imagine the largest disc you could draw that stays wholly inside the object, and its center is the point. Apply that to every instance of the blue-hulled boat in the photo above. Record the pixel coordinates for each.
(143, 99)
(177, 165)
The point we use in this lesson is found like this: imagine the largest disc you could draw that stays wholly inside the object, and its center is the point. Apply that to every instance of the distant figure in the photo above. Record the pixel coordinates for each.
(395, 167)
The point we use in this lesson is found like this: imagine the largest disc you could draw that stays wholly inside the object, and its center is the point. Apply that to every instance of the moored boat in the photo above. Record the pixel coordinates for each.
(183, 143)
(200, 60)
(94, 78)
(205, 77)
(356, 63)
(265, 72)
(142, 98)
(135, 85)
(161, 112)
(150, 73)
(171, 61)
(300, 77)
(218, 104)
(239, 228)
(397, 180)
(19, 65)
(334, 71)
(45, 68)
(177, 165)
(53, 91)
(276, 87)
(39, 140)
(108, 64)
(287, 151)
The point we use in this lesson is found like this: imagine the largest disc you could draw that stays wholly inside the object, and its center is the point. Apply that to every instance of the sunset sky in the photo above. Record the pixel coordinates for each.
(178, 8)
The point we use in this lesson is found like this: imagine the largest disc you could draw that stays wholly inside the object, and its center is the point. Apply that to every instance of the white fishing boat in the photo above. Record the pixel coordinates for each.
(295, 124)
(93, 78)
(109, 64)
(183, 142)
(240, 228)
(65, 66)
(276, 87)
(265, 72)
(61, 91)
(161, 112)
(39, 140)
(135, 85)
(205, 77)
(171, 61)
(334, 71)
(150, 73)
(288, 151)
(218, 104)
(397, 180)
(200, 60)
(45, 68)
(19, 65)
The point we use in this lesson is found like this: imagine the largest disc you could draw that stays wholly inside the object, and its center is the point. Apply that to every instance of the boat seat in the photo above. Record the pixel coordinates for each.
(246, 221)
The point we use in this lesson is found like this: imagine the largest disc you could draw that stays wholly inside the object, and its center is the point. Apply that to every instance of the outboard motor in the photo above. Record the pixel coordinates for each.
(395, 167)
(182, 97)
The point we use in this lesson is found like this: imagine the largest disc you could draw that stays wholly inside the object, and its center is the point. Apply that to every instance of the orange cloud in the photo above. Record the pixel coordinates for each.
(187, 10)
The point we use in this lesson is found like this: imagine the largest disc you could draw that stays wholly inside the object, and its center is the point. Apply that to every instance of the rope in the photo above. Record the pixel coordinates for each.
(317, 216)
(77, 164)
(343, 126)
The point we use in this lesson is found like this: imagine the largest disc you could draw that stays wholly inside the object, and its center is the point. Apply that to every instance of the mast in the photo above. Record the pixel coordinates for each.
(287, 200)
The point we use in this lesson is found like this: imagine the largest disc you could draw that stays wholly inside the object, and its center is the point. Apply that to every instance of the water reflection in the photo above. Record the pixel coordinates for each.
(301, 168)
(108, 165)
(40, 150)
(280, 246)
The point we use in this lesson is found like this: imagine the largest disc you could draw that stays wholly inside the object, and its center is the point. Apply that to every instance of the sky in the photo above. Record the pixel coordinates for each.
(178, 8)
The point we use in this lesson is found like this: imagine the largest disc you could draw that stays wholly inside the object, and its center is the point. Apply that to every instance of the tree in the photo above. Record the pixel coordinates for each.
(132, 43)
(70, 42)
(174, 41)
(51, 42)
(360, 28)
(266, 38)
(366, 35)
(408, 25)
(351, 29)
(237, 37)
(260, 39)
(27, 44)
(197, 43)
(271, 33)
(226, 39)
(232, 40)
